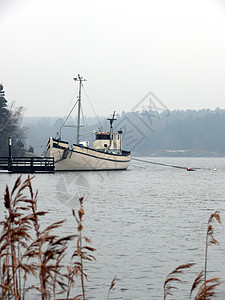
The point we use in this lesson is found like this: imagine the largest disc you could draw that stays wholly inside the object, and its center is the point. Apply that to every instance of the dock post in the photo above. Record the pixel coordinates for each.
(31, 165)
(10, 154)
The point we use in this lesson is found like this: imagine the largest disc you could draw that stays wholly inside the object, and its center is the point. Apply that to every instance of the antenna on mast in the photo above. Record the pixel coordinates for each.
(111, 120)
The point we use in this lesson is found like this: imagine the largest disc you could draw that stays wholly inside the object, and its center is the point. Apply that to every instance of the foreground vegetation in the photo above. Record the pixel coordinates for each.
(27, 251)
(206, 287)
(34, 259)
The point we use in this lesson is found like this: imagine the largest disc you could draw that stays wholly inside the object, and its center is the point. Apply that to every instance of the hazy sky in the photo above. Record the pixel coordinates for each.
(176, 49)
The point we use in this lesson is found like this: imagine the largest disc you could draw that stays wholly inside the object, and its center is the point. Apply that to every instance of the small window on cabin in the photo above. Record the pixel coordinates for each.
(102, 136)
(118, 136)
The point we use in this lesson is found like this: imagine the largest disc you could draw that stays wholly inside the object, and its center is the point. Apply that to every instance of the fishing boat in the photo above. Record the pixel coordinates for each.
(105, 154)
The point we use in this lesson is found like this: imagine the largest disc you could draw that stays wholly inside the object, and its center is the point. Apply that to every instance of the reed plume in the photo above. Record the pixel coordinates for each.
(111, 286)
(81, 253)
(206, 289)
(196, 283)
(172, 279)
(210, 240)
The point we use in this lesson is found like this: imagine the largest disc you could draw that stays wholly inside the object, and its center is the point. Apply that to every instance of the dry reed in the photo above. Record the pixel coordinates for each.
(172, 279)
(26, 251)
(81, 253)
(111, 286)
(206, 288)
(210, 240)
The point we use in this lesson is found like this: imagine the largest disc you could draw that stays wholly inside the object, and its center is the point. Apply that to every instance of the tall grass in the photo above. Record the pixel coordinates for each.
(27, 251)
(206, 287)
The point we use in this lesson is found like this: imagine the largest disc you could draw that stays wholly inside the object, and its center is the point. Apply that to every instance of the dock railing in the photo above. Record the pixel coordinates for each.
(27, 164)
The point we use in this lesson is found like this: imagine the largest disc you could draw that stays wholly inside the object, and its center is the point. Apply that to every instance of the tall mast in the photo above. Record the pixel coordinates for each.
(79, 106)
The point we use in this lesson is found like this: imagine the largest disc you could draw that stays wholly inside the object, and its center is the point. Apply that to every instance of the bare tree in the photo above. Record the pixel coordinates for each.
(10, 125)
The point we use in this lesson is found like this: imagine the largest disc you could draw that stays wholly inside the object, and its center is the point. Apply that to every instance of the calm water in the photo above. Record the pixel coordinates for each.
(144, 222)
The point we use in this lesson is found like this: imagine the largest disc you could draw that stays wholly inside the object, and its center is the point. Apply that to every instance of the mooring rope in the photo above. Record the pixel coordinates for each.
(171, 166)
(158, 163)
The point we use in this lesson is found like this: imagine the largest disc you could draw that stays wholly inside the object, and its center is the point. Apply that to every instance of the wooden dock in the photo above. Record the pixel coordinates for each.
(27, 164)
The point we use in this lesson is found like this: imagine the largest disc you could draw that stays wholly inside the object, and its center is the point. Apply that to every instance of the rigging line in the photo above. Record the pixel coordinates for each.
(85, 129)
(99, 97)
(68, 115)
(87, 133)
(92, 106)
(72, 99)
(39, 146)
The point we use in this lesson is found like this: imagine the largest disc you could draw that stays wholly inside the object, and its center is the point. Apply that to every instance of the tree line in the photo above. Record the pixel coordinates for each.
(190, 132)
(177, 132)
(146, 132)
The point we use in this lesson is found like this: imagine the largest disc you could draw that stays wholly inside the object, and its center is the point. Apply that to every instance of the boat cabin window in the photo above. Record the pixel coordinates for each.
(102, 136)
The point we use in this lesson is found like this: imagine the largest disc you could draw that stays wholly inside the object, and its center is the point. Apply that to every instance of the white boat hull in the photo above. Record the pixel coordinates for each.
(87, 159)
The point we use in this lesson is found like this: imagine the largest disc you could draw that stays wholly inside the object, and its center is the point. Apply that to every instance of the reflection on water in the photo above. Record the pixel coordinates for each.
(143, 222)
